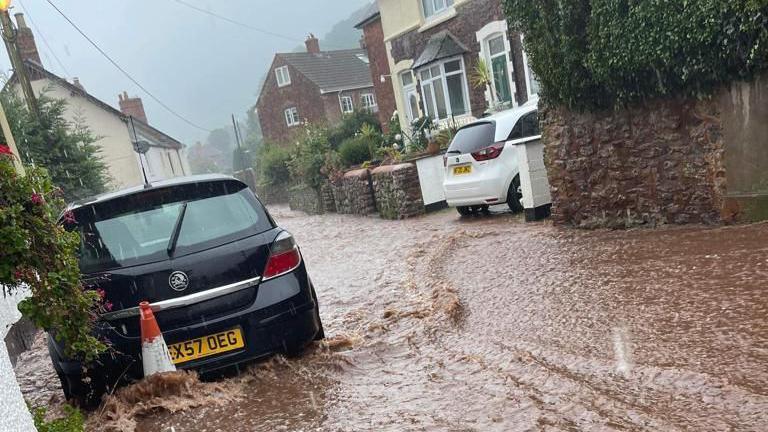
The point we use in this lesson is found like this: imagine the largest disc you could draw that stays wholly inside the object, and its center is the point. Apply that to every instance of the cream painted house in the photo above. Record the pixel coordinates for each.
(433, 47)
(117, 129)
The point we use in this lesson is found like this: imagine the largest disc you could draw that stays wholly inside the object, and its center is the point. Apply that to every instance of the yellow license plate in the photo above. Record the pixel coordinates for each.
(459, 170)
(205, 346)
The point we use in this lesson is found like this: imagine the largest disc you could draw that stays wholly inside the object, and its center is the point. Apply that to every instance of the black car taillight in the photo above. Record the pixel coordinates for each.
(284, 257)
(489, 153)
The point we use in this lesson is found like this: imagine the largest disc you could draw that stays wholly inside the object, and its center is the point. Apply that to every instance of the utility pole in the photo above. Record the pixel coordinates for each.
(10, 36)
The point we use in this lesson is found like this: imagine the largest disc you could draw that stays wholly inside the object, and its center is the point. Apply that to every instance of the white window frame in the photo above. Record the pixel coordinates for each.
(292, 117)
(283, 76)
(409, 90)
(443, 76)
(439, 6)
(342, 100)
(491, 31)
(528, 71)
(368, 100)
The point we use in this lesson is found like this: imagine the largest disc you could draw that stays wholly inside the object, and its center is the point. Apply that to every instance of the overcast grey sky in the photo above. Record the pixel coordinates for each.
(202, 67)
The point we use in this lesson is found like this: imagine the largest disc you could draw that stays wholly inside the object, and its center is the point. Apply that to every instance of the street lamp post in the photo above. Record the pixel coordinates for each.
(10, 36)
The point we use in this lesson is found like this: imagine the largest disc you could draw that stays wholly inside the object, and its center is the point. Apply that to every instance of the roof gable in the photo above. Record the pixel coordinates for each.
(37, 70)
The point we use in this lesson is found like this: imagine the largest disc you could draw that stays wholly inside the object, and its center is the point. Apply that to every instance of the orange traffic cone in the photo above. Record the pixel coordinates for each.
(154, 351)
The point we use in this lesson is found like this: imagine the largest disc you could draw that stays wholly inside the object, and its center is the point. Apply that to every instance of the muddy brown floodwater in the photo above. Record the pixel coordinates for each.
(491, 324)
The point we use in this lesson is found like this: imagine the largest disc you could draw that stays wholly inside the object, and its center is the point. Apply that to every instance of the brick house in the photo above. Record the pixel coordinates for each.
(316, 87)
(373, 36)
(433, 48)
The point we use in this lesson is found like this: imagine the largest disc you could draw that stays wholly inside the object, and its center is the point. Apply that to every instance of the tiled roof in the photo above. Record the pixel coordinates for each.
(371, 14)
(441, 45)
(161, 139)
(333, 70)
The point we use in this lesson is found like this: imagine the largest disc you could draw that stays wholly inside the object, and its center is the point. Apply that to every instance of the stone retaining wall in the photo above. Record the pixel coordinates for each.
(661, 162)
(304, 198)
(326, 196)
(353, 193)
(397, 191)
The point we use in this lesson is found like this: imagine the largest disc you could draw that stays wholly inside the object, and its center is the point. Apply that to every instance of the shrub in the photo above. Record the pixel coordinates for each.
(350, 125)
(308, 158)
(272, 165)
(355, 151)
(593, 54)
(37, 253)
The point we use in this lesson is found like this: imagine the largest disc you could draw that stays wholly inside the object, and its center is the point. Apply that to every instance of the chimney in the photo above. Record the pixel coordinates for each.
(132, 106)
(313, 44)
(26, 41)
(76, 83)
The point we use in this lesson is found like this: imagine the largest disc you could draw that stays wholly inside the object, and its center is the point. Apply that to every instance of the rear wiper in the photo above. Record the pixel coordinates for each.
(176, 229)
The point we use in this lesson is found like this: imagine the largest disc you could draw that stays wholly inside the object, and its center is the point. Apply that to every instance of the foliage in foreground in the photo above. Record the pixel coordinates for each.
(594, 54)
(67, 150)
(36, 252)
(73, 420)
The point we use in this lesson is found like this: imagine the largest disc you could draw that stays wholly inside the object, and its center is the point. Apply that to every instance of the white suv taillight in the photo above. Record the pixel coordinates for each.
(489, 153)
(284, 257)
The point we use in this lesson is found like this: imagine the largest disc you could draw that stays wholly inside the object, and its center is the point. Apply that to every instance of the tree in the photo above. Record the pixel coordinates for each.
(66, 149)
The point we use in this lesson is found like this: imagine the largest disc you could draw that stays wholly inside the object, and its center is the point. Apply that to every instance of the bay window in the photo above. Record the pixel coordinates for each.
(444, 88)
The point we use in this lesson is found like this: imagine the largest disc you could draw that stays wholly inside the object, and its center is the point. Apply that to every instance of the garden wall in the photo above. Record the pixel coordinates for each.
(660, 162)
(397, 191)
(353, 193)
(304, 198)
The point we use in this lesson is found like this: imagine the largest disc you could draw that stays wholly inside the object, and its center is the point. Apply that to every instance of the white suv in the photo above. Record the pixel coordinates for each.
(481, 167)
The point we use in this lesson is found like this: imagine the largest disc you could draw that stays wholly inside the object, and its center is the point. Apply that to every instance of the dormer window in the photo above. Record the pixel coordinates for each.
(435, 7)
(283, 77)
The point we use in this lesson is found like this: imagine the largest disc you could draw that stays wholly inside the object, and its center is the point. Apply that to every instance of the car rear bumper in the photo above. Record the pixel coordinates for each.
(284, 315)
(474, 193)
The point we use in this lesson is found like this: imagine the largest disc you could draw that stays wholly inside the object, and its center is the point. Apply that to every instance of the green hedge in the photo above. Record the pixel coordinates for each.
(592, 54)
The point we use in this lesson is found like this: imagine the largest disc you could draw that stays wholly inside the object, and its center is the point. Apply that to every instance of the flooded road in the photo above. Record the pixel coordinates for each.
(490, 324)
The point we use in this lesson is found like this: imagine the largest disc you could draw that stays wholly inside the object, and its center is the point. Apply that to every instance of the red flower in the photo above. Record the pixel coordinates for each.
(101, 293)
(37, 199)
(69, 217)
(108, 306)
(4, 149)
(18, 274)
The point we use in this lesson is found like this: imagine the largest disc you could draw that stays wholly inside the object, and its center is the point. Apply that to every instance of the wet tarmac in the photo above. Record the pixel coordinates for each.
(491, 324)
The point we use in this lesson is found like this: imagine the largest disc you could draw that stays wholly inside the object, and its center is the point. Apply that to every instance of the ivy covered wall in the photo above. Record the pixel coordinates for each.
(595, 54)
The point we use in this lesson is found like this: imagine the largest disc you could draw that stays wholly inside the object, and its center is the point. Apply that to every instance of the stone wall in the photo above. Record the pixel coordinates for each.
(273, 194)
(304, 198)
(353, 193)
(661, 162)
(326, 196)
(397, 191)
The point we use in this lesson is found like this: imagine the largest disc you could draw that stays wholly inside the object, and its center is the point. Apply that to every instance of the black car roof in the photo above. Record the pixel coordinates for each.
(177, 181)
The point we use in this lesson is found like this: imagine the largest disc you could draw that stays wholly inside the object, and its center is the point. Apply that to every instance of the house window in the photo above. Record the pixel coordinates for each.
(498, 64)
(346, 104)
(444, 88)
(410, 95)
(368, 101)
(283, 77)
(292, 117)
(435, 7)
(531, 81)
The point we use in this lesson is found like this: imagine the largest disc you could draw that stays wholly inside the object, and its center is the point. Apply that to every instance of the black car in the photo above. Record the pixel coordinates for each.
(212, 262)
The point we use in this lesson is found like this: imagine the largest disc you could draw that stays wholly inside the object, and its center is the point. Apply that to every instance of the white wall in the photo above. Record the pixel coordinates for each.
(114, 142)
(14, 415)
(533, 174)
(431, 176)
